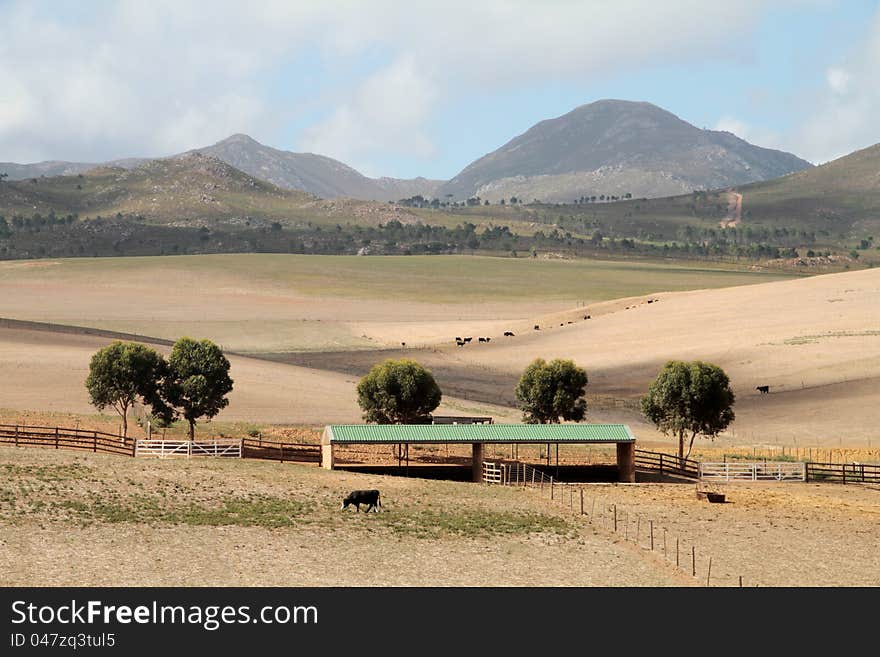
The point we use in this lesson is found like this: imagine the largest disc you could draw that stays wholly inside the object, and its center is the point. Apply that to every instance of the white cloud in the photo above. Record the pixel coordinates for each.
(94, 81)
(845, 115)
(838, 80)
(386, 113)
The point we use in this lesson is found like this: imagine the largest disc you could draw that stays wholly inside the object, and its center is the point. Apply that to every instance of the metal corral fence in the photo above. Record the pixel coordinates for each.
(272, 451)
(666, 464)
(843, 473)
(514, 473)
(100, 441)
(162, 449)
(64, 438)
(759, 471)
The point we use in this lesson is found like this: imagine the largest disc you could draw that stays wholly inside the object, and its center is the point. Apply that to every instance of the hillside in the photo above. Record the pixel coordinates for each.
(617, 147)
(182, 189)
(314, 174)
(841, 198)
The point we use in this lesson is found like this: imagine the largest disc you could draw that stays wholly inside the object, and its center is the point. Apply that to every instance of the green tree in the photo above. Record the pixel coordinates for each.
(122, 372)
(198, 380)
(689, 398)
(547, 392)
(398, 392)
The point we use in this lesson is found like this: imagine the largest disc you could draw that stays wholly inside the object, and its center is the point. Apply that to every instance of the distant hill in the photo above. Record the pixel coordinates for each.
(617, 147)
(315, 174)
(841, 198)
(178, 189)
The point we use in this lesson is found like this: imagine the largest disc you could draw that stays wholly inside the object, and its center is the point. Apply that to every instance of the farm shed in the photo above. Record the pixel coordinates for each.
(480, 435)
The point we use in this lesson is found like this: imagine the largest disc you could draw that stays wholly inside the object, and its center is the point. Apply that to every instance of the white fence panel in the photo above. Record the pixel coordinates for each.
(186, 449)
(753, 471)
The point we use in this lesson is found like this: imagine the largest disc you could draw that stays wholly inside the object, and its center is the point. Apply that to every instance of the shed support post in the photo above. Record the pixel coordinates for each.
(626, 464)
(477, 462)
(327, 456)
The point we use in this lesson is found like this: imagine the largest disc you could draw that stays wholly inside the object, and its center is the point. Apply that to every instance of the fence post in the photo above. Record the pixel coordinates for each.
(615, 518)
(582, 501)
(709, 572)
(56, 438)
(677, 562)
(281, 446)
(94, 441)
(693, 560)
(651, 523)
(843, 470)
(16, 435)
(661, 465)
(551, 488)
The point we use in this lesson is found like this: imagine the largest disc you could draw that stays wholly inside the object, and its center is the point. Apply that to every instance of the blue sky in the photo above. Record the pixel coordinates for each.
(408, 89)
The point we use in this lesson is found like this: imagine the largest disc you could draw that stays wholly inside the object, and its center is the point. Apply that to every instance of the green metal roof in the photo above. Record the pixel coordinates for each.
(480, 433)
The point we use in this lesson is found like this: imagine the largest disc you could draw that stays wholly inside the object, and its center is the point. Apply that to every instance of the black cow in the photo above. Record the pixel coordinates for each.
(460, 343)
(537, 328)
(468, 339)
(457, 339)
(508, 334)
(482, 339)
(586, 317)
(763, 389)
(358, 497)
(403, 344)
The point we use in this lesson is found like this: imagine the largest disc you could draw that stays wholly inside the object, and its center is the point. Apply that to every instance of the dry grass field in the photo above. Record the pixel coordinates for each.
(70, 518)
(303, 330)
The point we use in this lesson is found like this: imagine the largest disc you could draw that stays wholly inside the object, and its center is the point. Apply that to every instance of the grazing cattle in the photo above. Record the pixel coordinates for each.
(457, 339)
(586, 317)
(460, 343)
(763, 389)
(562, 324)
(487, 339)
(569, 322)
(468, 339)
(481, 339)
(537, 328)
(650, 301)
(358, 497)
(403, 344)
(508, 334)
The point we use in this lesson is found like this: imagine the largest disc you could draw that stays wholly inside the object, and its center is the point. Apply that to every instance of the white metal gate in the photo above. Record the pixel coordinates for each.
(754, 471)
(186, 448)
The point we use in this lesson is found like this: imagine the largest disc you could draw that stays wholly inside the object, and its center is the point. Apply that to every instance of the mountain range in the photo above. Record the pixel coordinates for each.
(609, 147)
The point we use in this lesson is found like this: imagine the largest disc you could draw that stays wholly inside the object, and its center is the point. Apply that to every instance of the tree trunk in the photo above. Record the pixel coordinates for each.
(192, 429)
(125, 424)
(691, 446)
(681, 448)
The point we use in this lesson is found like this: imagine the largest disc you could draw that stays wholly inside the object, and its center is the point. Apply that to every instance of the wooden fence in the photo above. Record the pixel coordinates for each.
(666, 464)
(843, 473)
(160, 448)
(65, 438)
(760, 471)
(253, 448)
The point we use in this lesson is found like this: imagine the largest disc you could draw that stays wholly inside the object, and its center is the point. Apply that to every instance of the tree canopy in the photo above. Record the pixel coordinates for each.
(689, 398)
(398, 392)
(547, 392)
(122, 372)
(198, 380)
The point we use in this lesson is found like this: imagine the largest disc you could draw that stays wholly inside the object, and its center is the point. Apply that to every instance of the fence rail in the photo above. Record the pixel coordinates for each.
(271, 451)
(187, 448)
(513, 473)
(844, 473)
(666, 464)
(753, 471)
(65, 438)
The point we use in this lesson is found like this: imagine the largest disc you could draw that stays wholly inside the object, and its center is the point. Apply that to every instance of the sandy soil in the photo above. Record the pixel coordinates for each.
(814, 341)
(43, 547)
(768, 534)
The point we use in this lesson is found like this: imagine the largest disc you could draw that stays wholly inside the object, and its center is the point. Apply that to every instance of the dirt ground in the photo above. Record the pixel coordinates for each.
(69, 518)
(95, 520)
(814, 341)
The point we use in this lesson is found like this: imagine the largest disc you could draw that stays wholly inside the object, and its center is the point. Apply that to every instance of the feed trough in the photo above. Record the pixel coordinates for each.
(715, 497)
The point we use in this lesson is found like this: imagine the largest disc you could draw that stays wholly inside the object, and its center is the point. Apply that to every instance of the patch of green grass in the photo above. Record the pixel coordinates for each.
(811, 339)
(45, 473)
(247, 511)
(471, 523)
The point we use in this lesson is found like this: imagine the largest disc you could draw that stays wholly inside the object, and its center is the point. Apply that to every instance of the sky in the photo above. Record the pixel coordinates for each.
(423, 88)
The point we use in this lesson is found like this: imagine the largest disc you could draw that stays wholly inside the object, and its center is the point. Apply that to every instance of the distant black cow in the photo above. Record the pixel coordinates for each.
(508, 334)
(586, 317)
(537, 328)
(460, 343)
(403, 344)
(468, 339)
(763, 389)
(457, 339)
(358, 497)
